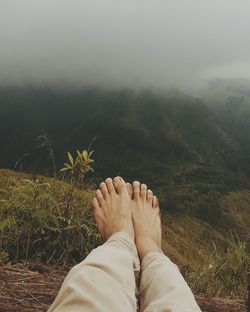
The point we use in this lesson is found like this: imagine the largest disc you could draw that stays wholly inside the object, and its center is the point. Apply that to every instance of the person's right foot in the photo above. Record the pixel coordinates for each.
(112, 208)
(146, 220)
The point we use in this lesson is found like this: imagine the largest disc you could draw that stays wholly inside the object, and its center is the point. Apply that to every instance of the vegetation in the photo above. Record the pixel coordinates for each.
(42, 220)
(223, 274)
(45, 220)
(80, 166)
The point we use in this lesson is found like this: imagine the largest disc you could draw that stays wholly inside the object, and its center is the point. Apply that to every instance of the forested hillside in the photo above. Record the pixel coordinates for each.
(167, 130)
(192, 152)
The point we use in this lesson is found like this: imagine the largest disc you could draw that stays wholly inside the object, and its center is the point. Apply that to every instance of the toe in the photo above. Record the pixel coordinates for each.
(150, 196)
(110, 185)
(104, 190)
(99, 197)
(156, 204)
(136, 189)
(130, 190)
(95, 204)
(120, 185)
(143, 191)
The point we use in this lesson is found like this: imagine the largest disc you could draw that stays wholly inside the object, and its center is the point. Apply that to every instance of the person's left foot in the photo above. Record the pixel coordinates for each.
(112, 208)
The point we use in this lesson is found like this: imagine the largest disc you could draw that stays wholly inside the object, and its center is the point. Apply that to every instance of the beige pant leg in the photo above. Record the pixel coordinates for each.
(104, 281)
(162, 287)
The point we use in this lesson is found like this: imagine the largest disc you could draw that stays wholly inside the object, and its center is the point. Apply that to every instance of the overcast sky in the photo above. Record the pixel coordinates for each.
(140, 43)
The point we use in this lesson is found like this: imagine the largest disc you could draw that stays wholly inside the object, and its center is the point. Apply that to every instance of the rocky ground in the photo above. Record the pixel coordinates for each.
(33, 288)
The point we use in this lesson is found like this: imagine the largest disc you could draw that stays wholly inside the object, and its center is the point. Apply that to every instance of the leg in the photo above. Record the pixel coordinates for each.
(162, 287)
(105, 280)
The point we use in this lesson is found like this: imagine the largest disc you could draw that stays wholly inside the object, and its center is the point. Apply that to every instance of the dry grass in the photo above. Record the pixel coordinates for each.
(26, 289)
(33, 288)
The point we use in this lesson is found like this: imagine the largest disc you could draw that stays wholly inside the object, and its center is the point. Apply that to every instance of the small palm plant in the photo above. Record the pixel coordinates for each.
(79, 166)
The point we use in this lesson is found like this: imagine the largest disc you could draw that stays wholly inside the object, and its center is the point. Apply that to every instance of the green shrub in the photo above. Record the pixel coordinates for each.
(50, 222)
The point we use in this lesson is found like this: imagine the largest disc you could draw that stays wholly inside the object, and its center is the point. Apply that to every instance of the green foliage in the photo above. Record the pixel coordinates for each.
(46, 221)
(27, 212)
(79, 166)
(223, 274)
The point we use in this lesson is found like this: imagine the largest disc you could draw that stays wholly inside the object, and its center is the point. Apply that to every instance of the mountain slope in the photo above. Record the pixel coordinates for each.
(193, 155)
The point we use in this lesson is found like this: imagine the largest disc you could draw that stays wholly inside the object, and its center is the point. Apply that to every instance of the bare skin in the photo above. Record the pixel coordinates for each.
(146, 219)
(112, 208)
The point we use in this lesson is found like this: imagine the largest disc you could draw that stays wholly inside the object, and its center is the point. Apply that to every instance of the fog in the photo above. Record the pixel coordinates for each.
(124, 43)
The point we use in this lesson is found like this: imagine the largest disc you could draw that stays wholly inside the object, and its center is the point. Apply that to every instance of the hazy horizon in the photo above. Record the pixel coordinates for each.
(160, 44)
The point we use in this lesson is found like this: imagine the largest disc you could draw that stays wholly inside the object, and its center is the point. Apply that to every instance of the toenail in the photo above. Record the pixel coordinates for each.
(117, 179)
(108, 180)
(136, 183)
(102, 184)
(143, 186)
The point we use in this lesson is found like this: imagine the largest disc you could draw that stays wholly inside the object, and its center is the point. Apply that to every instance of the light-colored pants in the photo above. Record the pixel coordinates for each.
(106, 281)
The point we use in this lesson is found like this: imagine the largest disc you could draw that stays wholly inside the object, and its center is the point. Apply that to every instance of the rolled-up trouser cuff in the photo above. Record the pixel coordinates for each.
(150, 257)
(125, 241)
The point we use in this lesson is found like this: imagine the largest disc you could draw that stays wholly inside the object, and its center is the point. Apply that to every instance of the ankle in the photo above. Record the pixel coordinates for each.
(146, 246)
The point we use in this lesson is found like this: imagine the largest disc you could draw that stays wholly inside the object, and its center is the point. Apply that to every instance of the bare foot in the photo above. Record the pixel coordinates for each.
(112, 208)
(146, 219)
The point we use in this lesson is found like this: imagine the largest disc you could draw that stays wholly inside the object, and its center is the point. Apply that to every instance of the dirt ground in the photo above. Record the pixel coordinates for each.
(33, 288)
